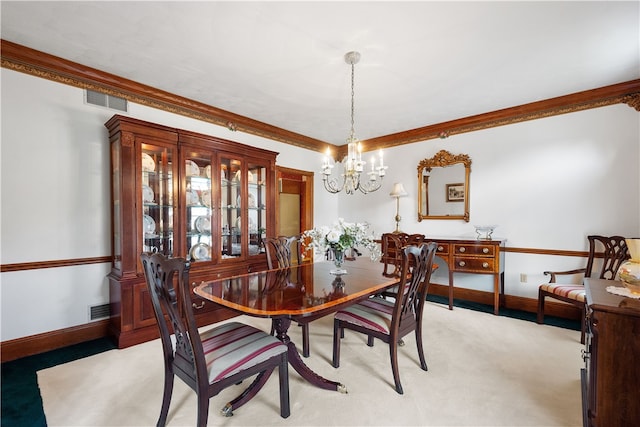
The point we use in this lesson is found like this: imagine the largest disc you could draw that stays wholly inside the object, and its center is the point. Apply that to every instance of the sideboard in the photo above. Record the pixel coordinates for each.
(610, 377)
(462, 255)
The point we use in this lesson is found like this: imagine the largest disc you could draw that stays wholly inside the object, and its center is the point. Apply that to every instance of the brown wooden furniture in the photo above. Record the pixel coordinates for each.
(210, 361)
(187, 195)
(283, 252)
(611, 376)
(462, 255)
(390, 321)
(307, 291)
(614, 252)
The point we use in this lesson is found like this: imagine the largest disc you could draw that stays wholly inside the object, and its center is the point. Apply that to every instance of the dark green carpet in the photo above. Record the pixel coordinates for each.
(21, 401)
(22, 404)
(507, 312)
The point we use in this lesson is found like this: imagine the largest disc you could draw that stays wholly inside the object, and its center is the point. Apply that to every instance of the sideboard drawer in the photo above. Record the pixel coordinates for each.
(472, 264)
(474, 250)
(443, 249)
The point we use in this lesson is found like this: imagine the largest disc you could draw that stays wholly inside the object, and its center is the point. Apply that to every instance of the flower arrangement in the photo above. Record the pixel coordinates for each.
(341, 236)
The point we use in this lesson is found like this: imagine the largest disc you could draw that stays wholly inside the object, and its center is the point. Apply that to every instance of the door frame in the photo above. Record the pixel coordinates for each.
(306, 196)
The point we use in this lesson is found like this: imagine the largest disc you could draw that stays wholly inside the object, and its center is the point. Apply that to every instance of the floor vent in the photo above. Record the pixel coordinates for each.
(103, 100)
(99, 312)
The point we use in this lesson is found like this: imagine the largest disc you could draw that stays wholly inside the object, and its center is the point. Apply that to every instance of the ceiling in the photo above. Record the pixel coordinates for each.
(282, 63)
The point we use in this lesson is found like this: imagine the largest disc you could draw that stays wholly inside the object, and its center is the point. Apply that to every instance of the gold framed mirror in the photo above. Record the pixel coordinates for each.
(443, 186)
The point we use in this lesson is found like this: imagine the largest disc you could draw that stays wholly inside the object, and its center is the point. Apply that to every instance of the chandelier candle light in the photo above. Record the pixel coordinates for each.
(353, 164)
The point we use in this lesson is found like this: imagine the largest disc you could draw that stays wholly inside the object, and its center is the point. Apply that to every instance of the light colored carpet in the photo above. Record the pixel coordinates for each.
(484, 370)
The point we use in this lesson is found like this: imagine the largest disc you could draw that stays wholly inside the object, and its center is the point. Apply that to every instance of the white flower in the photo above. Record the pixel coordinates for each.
(343, 235)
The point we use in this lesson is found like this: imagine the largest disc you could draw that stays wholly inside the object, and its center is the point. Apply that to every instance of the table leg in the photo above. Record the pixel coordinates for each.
(281, 326)
(496, 294)
(450, 289)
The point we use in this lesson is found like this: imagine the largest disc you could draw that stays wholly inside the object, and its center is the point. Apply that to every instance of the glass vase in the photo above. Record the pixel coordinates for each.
(338, 260)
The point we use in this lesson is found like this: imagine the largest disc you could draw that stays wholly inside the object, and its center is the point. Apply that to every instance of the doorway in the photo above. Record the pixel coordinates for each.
(294, 201)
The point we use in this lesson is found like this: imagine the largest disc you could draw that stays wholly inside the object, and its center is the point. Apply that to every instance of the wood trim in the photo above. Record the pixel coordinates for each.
(23, 266)
(26, 60)
(40, 64)
(40, 343)
(535, 251)
(626, 92)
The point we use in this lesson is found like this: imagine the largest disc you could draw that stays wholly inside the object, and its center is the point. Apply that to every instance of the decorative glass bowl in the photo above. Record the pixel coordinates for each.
(484, 232)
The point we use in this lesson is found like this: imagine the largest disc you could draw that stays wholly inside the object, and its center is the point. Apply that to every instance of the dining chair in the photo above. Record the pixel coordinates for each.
(614, 252)
(283, 252)
(214, 359)
(388, 320)
(392, 244)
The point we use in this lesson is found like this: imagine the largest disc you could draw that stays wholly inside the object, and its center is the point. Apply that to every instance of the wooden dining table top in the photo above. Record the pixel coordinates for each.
(306, 290)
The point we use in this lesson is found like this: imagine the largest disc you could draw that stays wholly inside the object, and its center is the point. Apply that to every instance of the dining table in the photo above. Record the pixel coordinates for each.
(303, 292)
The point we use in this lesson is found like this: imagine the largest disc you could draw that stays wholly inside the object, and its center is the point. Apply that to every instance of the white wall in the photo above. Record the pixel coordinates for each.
(546, 183)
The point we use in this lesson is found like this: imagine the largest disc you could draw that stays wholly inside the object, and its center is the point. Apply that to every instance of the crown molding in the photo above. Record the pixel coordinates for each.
(26, 60)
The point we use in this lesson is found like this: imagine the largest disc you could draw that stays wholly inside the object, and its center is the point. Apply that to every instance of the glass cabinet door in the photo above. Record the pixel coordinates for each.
(257, 207)
(157, 199)
(230, 207)
(198, 202)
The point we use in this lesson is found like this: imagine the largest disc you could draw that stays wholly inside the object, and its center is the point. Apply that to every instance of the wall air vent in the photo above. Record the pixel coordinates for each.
(99, 312)
(103, 100)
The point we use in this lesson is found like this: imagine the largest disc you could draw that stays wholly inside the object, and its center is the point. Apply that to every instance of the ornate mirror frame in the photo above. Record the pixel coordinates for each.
(441, 159)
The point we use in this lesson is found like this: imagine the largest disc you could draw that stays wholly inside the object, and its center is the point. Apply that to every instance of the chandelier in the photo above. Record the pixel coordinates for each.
(353, 166)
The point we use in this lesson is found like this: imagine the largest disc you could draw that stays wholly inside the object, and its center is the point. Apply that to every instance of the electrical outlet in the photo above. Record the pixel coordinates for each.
(523, 278)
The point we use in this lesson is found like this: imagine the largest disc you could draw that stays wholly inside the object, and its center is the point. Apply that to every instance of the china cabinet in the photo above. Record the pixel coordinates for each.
(188, 195)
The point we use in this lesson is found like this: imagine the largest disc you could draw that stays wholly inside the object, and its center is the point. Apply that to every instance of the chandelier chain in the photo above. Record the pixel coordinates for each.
(352, 137)
(352, 165)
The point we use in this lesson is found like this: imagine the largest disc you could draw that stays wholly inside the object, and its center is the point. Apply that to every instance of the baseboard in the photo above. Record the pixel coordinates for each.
(551, 308)
(40, 343)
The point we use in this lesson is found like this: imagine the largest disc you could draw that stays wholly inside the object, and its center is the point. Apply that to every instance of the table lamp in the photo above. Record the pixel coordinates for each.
(397, 192)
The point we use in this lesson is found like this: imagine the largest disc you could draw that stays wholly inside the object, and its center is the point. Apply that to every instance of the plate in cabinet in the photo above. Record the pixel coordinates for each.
(148, 164)
(149, 225)
(147, 194)
(203, 224)
(200, 251)
(206, 198)
(192, 168)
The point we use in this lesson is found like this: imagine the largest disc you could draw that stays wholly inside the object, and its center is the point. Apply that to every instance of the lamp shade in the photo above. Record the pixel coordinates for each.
(398, 190)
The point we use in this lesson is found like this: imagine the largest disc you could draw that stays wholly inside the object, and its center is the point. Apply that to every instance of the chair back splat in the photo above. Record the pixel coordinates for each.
(210, 361)
(390, 321)
(282, 249)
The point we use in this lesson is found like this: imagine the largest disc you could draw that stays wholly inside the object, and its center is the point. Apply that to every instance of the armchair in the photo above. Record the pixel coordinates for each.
(614, 252)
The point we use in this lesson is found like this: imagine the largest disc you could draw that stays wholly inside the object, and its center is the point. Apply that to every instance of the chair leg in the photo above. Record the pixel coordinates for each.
(166, 396)
(248, 393)
(203, 410)
(540, 317)
(393, 352)
(305, 339)
(423, 362)
(337, 331)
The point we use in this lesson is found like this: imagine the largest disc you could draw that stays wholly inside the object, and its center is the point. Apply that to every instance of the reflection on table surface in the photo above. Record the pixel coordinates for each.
(307, 289)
